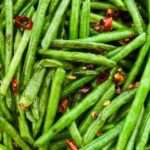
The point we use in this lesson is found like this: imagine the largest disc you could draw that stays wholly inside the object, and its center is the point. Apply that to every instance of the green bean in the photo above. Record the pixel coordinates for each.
(133, 45)
(3, 147)
(119, 3)
(8, 128)
(32, 89)
(144, 137)
(54, 63)
(108, 146)
(74, 19)
(140, 59)
(54, 98)
(107, 112)
(104, 139)
(35, 37)
(43, 102)
(72, 87)
(7, 141)
(97, 108)
(74, 44)
(58, 145)
(9, 32)
(115, 24)
(74, 113)
(148, 3)
(14, 63)
(131, 143)
(75, 134)
(52, 8)
(4, 109)
(78, 57)
(115, 51)
(135, 14)
(2, 45)
(110, 36)
(102, 5)
(18, 6)
(24, 128)
(54, 25)
(85, 19)
(135, 108)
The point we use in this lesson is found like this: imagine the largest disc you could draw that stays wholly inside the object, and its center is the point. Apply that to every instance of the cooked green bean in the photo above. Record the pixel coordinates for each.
(74, 44)
(78, 57)
(74, 19)
(54, 25)
(9, 129)
(107, 112)
(85, 19)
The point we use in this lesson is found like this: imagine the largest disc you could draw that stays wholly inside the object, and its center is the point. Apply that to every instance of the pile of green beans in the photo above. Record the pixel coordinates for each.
(74, 75)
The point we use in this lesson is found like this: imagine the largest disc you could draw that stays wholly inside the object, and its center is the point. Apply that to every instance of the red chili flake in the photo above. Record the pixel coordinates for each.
(102, 77)
(119, 77)
(112, 13)
(23, 22)
(85, 89)
(71, 144)
(14, 86)
(106, 24)
(63, 105)
(99, 133)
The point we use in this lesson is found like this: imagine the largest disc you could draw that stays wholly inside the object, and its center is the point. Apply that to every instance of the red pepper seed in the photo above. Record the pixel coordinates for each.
(71, 144)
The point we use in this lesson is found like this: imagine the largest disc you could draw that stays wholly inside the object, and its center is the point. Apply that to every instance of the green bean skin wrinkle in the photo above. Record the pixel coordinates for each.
(74, 44)
(78, 57)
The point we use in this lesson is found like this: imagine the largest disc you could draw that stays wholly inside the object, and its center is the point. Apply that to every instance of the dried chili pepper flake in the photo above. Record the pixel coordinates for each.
(23, 22)
(102, 77)
(63, 105)
(106, 24)
(14, 86)
(85, 89)
(72, 145)
(112, 13)
(119, 77)
(99, 133)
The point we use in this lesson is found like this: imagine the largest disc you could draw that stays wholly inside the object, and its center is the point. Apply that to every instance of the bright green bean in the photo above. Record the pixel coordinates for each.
(74, 113)
(85, 19)
(74, 19)
(54, 25)
(135, 14)
(9, 129)
(78, 57)
(107, 112)
(74, 44)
